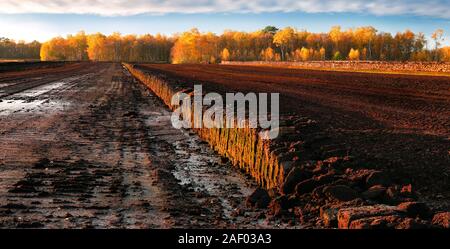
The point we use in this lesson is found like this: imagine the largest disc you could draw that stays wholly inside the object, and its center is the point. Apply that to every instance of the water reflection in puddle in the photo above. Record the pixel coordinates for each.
(11, 106)
(35, 100)
(39, 90)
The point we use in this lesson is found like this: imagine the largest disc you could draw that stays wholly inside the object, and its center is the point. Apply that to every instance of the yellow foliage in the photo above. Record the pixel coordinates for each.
(284, 39)
(277, 57)
(354, 54)
(194, 47)
(322, 53)
(445, 54)
(225, 55)
(268, 54)
(269, 45)
(98, 47)
(305, 54)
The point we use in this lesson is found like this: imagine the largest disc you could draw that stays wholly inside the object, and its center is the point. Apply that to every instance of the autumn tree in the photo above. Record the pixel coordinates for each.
(269, 44)
(268, 54)
(284, 39)
(194, 47)
(445, 54)
(115, 47)
(225, 55)
(337, 56)
(305, 54)
(322, 53)
(336, 36)
(354, 55)
(55, 50)
(270, 30)
(10, 49)
(437, 36)
(77, 46)
(364, 38)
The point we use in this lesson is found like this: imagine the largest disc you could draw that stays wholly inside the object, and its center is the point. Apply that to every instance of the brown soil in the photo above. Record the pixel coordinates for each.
(86, 146)
(396, 123)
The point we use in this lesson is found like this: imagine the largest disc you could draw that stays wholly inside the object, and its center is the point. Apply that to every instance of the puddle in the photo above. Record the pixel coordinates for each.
(64, 83)
(197, 165)
(200, 167)
(33, 100)
(11, 106)
(39, 90)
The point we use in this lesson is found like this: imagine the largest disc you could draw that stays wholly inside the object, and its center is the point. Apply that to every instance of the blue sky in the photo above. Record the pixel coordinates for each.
(42, 22)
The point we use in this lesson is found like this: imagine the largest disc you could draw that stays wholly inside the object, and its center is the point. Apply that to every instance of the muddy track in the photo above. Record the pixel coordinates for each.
(15, 82)
(396, 123)
(95, 149)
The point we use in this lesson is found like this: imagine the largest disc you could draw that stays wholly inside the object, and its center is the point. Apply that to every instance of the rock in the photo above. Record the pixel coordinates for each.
(341, 193)
(320, 168)
(414, 209)
(280, 204)
(326, 178)
(377, 178)
(295, 176)
(374, 192)
(393, 196)
(329, 217)
(306, 186)
(333, 160)
(347, 215)
(376, 222)
(407, 192)
(407, 189)
(337, 162)
(358, 176)
(409, 223)
(442, 219)
(258, 199)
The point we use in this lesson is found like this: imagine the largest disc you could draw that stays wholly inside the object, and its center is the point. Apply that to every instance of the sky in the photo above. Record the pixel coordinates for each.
(43, 19)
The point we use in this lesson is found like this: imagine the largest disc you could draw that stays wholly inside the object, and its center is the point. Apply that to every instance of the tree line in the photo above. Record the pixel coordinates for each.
(10, 49)
(115, 47)
(268, 44)
(289, 44)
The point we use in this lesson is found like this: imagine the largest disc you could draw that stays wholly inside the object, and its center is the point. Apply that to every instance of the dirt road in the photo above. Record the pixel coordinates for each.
(86, 146)
(397, 123)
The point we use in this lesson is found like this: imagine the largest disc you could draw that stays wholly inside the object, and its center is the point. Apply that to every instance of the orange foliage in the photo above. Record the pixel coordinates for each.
(268, 44)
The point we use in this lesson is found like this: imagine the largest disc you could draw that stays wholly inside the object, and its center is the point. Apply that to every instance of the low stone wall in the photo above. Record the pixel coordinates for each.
(431, 67)
(267, 161)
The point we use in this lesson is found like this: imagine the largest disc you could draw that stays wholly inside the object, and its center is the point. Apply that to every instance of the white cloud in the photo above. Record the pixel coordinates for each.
(434, 8)
(26, 30)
